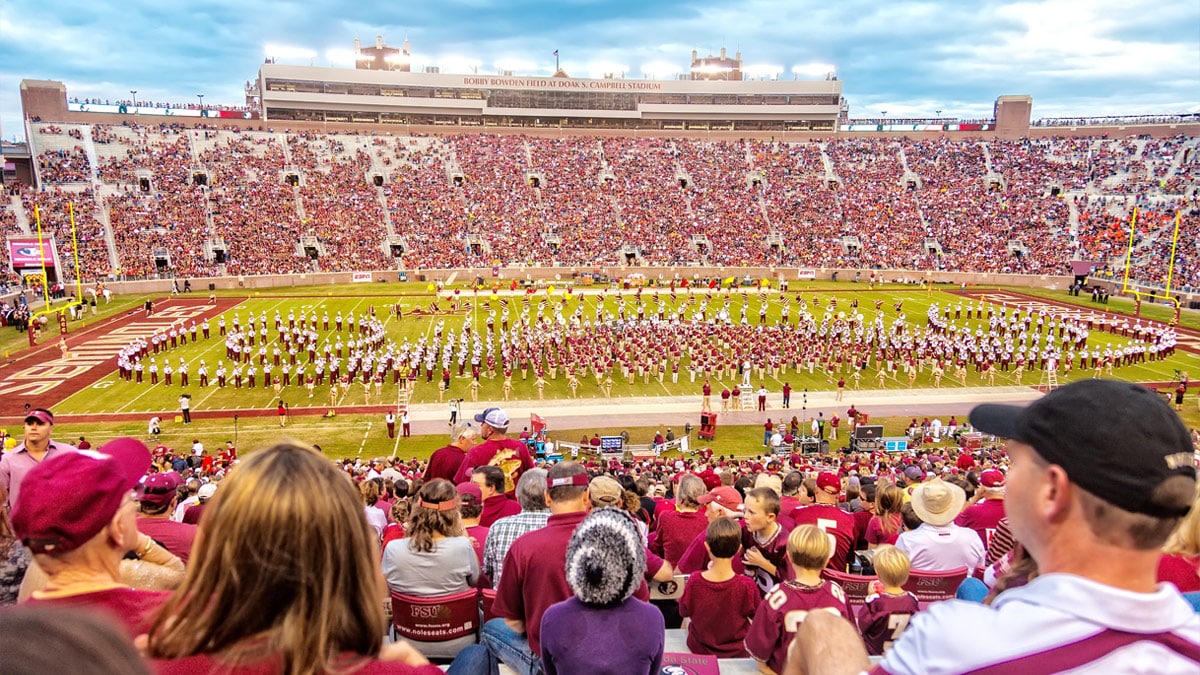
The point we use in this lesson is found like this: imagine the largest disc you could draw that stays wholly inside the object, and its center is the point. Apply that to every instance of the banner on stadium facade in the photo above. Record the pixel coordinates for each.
(24, 253)
(958, 126)
(806, 275)
(360, 277)
(126, 109)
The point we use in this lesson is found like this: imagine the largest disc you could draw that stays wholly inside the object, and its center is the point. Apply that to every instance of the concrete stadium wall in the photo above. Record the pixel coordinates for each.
(550, 275)
(1150, 130)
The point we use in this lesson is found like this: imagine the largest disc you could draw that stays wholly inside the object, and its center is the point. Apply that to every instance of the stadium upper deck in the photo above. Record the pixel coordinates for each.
(390, 97)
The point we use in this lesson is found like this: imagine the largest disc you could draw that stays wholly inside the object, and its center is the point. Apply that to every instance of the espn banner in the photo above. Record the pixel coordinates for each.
(25, 253)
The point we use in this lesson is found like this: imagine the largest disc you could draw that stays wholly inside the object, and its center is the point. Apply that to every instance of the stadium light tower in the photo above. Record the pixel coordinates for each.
(939, 113)
(201, 97)
(133, 92)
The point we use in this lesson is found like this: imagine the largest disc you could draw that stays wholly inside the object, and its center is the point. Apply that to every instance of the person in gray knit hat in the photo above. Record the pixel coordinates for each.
(606, 562)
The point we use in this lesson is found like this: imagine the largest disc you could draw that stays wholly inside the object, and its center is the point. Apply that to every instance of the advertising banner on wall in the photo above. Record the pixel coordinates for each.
(24, 253)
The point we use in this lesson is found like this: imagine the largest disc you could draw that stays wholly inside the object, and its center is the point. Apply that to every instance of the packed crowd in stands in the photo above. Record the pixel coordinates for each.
(547, 551)
(55, 206)
(485, 199)
(1114, 120)
(64, 166)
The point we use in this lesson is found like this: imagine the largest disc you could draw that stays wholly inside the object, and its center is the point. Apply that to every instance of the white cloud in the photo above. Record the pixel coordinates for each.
(1075, 57)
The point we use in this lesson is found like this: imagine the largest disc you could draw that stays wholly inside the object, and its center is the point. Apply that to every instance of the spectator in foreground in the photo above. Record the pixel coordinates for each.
(496, 504)
(676, 528)
(531, 495)
(79, 519)
(497, 449)
(434, 557)
(719, 601)
(1093, 497)
(470, 507)
(14, 559)
(534, 573)
(604, 566)
(34, 450)
(1180, 564)
(775, 622)
(40, 640)
(938, 544)
(887, 611)
(263, 595)
(159, 495)
(444, 462)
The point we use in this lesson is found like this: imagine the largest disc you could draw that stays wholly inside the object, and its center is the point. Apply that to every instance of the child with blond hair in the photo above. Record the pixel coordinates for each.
(787, 604)
(887, 611)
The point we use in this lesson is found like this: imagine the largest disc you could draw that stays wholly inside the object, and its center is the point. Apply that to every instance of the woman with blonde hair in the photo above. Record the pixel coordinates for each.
(283, 578)
(1180, 563)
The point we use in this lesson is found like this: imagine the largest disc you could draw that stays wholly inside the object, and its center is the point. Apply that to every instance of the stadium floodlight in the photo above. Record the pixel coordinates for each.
(288, 52)
(399, 57)
(711, 68)
(762, 70)
(813, 69)
(657, 69)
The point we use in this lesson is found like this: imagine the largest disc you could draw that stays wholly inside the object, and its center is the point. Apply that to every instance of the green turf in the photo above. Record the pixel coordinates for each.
(347, 433)
(113, 396)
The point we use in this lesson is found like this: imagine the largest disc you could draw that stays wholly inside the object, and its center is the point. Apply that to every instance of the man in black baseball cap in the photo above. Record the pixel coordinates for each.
(1101, 473)
(1117, 441)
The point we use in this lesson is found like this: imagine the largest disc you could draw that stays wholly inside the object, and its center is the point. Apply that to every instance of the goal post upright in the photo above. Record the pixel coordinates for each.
(1151, 295)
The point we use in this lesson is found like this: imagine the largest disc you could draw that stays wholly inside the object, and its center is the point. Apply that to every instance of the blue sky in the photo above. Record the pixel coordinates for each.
(1075, 57)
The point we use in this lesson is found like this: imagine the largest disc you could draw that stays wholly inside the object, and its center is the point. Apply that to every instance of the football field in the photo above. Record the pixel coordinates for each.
(579, 338)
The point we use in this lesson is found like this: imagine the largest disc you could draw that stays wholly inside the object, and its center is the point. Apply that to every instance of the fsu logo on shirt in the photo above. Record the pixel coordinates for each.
(510, 464)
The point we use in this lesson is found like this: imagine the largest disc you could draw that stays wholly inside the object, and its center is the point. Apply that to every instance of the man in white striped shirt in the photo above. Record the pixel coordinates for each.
(1102, 472)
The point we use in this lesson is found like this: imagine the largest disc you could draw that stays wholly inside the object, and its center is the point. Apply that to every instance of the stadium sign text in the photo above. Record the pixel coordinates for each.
(561, 83)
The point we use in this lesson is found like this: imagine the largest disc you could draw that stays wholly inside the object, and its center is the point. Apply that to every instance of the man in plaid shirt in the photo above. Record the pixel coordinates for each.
(531, 494)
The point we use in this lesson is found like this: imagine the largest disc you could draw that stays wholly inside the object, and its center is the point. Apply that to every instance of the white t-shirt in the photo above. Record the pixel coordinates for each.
(1056, 623)
(937, 548)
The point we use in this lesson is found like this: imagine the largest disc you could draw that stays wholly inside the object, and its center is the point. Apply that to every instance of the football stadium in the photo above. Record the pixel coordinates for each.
(703, 299)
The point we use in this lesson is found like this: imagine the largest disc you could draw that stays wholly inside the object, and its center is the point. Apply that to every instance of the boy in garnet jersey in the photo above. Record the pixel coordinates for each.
(719, 601)
(764, 539)
(886, 613)
(787, 604)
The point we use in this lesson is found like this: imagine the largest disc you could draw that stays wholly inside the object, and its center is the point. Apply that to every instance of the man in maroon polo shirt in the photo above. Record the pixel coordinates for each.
(158, 501)
(535, 573)
(497, 449)
(444, 462)
(496, 505)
